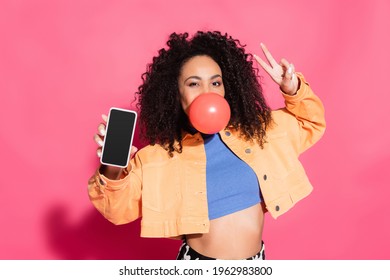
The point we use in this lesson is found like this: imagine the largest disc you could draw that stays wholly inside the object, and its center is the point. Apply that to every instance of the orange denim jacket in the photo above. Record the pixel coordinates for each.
(169, 193)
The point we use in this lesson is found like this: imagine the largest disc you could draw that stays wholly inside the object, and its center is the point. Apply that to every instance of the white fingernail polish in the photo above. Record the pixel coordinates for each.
(102, 132)
(100, 143)
(289, 70)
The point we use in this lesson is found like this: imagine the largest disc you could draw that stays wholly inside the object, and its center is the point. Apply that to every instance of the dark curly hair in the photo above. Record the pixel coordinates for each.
(162, 118)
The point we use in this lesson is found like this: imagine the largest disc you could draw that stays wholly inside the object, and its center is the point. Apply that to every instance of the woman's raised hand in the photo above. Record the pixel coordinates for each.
(283, 73)
(99, 136)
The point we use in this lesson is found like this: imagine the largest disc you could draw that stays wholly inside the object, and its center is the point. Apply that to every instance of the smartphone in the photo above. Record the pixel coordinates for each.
(119, 137)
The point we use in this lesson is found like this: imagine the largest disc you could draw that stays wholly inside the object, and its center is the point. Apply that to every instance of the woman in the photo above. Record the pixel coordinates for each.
(212, 190)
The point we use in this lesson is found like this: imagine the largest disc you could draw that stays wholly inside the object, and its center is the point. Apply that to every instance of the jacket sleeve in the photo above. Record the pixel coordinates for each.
(308, 110)
(119, 201)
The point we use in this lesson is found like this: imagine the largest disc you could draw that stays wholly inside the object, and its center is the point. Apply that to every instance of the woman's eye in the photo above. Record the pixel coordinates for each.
(217, 83)
(193, 84)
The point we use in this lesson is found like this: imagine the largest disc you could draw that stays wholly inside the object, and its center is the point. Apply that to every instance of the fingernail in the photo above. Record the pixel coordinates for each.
(102, 132)
(100, 143)
(99, 153)
(289, 70)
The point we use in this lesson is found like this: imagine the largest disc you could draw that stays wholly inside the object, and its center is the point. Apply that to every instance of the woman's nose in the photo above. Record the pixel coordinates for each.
(205, 89)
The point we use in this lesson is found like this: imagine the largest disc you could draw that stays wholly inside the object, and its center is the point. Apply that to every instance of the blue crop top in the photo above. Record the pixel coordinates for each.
(232, 184)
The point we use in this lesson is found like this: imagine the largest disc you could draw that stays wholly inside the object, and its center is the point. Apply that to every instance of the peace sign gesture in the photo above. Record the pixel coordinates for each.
(283, 73)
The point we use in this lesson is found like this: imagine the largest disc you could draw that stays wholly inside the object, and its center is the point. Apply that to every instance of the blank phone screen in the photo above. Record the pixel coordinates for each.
(119, 137)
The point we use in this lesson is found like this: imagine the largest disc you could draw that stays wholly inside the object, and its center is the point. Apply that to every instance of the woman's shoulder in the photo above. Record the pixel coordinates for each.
(151, 149)
(282, 117)
(153, 153)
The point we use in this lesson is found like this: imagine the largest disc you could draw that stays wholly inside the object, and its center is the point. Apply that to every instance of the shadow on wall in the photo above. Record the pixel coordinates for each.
(93, 237)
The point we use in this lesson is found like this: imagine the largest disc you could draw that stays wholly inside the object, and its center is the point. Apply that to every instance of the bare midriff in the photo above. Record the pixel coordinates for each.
(234, 236)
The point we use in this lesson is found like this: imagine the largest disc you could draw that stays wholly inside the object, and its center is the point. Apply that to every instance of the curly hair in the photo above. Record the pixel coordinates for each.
(162, 118)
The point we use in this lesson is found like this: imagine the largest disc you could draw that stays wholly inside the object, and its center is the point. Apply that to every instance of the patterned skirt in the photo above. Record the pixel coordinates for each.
(187, 253)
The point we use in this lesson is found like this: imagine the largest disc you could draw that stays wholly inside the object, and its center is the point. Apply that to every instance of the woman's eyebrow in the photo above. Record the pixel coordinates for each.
(215, 76)
(199, 78)
(193, 77)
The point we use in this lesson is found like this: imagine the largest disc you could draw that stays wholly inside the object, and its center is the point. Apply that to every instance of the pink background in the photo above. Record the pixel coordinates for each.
(64, 63)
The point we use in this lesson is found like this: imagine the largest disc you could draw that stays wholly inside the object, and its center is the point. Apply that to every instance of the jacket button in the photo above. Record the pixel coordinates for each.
(265, 177)
(248, 151)
(277, 208)
(227, 133)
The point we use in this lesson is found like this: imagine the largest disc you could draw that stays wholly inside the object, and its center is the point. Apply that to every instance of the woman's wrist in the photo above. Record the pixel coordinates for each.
(295, 92)
(111, 172)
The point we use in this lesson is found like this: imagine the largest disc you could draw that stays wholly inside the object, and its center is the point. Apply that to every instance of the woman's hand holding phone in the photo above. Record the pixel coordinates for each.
(111, 172)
